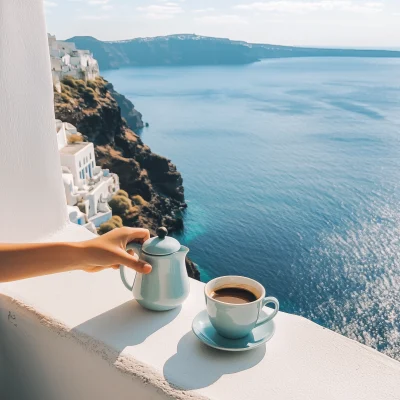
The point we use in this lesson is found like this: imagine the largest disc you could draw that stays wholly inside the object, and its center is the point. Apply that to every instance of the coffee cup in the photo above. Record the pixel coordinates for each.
(234, 305)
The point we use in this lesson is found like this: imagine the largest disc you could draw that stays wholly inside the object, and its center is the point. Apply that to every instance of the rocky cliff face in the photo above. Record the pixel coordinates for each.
(93, 109)
(132, 117)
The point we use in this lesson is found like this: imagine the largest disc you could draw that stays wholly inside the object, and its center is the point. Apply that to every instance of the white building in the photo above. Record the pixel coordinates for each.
(67, 60)
(88, 187)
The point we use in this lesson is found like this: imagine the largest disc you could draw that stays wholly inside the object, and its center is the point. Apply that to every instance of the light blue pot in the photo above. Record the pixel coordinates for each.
(167, 286)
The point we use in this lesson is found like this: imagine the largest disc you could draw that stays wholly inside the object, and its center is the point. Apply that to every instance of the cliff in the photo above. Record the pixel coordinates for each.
(183, 49)
(152, 182)
(132, 117)
(165, 50)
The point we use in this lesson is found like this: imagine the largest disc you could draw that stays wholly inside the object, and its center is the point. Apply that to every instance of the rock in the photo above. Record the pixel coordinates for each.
(141, 172)
(132, 117)
(192, 269)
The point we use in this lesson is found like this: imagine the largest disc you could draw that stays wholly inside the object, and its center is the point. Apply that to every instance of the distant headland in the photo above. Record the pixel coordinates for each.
(188, 49)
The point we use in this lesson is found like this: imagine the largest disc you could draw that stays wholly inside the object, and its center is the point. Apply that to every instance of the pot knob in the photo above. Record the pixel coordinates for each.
(162, 232)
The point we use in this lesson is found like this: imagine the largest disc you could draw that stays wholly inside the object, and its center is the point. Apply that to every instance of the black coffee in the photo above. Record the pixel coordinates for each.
(234, 295)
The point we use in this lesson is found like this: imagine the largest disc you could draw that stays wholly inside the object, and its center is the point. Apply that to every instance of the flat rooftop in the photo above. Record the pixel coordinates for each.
(74, 148)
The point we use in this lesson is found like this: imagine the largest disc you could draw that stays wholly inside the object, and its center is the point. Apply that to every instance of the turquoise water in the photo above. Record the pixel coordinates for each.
(291, 171)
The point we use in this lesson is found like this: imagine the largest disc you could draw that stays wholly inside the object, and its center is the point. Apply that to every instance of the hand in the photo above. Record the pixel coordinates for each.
(109, 250)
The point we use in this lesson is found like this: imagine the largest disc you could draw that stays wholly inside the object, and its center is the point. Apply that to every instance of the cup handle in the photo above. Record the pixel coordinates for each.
(137, 248)
(269, 317)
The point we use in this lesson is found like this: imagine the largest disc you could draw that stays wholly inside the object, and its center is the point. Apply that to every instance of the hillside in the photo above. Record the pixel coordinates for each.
(152, 182)
(200, 50)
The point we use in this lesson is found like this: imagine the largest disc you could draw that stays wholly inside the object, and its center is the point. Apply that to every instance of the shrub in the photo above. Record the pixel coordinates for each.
(122, 193)
(101, 85)
(89, 96)
(69, 81)
(80, 83)
(120, 205)
(105, 227)
(74, 138)
(100, 81)
(65, 98)
(114, 222)
(91, 84)
(138, 200)
(65, 88)
(134, 210)
(117, 221)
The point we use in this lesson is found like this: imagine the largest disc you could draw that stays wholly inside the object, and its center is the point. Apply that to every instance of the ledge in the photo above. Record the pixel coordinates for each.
(160, 356)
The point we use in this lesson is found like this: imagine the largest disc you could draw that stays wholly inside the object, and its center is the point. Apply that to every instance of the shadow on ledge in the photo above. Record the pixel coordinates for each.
(126, 325)
(196, 366)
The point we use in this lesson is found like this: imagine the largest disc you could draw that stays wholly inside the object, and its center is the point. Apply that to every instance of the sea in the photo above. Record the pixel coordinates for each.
(291, 170)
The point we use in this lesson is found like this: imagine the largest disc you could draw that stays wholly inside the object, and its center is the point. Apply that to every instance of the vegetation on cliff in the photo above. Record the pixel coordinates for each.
(152, 194)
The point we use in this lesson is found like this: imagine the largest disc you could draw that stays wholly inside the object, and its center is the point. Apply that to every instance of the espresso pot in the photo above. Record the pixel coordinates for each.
(167, 285)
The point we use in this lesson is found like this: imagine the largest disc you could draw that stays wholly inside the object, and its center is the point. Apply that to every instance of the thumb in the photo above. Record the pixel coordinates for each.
(131, 260)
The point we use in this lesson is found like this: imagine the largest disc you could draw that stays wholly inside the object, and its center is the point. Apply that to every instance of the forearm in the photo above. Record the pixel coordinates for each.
(20, 261)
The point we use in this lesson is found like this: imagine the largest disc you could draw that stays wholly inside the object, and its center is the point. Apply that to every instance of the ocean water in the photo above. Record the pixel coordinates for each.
(291, 171)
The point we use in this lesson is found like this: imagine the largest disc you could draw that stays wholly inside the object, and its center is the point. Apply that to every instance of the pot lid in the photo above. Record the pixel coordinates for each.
(161, 245)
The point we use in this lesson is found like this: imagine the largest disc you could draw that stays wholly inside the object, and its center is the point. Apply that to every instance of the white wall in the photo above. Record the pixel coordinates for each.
(72, 161)
(44, 365)
(27, 125)
(69, 188)
(61, 137)
(56, 64)
(68, 46)
(2, 362)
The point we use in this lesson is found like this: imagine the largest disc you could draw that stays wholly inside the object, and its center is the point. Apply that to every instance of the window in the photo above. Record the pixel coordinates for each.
(93, 164)
(90, 155)
(80, 164)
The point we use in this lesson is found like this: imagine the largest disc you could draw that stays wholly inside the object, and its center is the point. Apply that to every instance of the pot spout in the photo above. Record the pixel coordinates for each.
(182, 251)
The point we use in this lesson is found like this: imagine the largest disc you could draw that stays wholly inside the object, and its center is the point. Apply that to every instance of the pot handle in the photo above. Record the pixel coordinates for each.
(138, 249)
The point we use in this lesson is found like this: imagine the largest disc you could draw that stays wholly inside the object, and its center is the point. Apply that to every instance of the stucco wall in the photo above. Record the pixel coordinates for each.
(46, 365)
(32, 171)
(72, 160)
(2, 364)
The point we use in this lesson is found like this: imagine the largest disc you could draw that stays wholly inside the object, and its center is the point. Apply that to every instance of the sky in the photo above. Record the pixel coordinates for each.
(331, 23)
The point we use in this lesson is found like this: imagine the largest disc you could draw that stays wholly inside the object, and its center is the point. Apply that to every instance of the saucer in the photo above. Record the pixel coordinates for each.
(203, 329)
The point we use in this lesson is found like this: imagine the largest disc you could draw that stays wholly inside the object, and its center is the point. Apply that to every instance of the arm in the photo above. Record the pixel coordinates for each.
(20, 261)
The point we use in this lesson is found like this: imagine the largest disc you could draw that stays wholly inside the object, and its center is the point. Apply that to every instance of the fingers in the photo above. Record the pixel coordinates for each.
(133, 254)
(136, 234)
(132, 261)
(140, 266)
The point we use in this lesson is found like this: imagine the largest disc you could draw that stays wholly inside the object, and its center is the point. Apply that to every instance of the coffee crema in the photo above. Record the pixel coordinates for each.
(233, 295)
